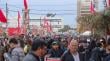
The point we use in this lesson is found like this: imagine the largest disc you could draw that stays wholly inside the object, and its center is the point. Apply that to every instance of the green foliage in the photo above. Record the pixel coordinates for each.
(98, 23)
(4, 34)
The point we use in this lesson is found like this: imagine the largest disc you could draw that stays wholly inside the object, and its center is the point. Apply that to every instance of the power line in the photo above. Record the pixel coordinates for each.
(15, 6)
(45, 13)
(36, 9)
(13, 11)
(51, 10)
(47, 10)
(72, 4)
(56, 13)
(42, 10)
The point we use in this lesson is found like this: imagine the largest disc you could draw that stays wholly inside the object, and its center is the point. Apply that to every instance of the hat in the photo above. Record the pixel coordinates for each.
(55, 43)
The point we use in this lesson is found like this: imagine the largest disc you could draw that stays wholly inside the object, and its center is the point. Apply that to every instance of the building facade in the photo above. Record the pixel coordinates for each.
(56, 23)
(83, 6)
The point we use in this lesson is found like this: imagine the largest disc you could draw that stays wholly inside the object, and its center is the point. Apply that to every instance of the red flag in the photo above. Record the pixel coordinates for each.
(18, 21)
(107, 3)
(45, 23)
(92, 7)
(25, 4)
(2, 17)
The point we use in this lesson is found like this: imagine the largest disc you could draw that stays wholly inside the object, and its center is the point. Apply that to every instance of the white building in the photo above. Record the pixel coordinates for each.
(83, 6)
(56, 22)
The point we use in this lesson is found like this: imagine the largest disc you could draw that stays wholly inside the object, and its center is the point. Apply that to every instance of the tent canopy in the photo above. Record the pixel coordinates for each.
(86, 33)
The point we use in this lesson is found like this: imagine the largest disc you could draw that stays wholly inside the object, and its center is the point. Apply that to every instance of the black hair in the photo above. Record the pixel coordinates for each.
(49, 42)
(5, 38)
(13, 40)
(38, 43)
(98, 44)
(21, 42)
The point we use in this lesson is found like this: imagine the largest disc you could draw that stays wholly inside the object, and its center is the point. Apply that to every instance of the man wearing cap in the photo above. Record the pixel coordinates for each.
(56, 50)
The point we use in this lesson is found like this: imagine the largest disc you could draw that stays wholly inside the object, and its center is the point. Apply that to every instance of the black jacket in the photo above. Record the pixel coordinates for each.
(56, 54)
(107, 58)
(68, 56)
(97, 54)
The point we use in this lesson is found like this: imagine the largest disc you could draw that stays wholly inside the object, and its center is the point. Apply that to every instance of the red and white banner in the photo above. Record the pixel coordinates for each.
(47, 25)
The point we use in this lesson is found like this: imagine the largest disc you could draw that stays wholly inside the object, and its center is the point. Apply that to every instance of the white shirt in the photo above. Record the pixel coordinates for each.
(76, 57)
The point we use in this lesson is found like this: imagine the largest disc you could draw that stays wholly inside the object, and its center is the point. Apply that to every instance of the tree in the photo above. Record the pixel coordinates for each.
(98, 23)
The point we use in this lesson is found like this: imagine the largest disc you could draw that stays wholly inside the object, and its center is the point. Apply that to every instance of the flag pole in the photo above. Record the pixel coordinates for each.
(6, 12)
(6, 18)
(18, 21)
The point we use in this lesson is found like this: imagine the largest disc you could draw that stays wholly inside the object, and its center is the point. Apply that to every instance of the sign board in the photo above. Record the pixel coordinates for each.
(52, 59)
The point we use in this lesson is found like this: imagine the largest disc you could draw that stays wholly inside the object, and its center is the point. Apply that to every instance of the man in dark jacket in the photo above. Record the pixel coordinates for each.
(99, 52)
(38, 50)
(56, 50)
(72, 54)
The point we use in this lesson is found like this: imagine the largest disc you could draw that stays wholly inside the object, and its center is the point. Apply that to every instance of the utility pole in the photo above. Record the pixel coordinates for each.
(28, 27)
(26, 20)
(6, 10)
(5, 29)
(40, 21)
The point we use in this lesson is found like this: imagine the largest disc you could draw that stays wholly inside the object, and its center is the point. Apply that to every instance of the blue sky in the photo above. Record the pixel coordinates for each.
(64, 7)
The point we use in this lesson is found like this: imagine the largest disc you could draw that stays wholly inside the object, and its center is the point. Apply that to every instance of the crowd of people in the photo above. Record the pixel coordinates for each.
(65, 48)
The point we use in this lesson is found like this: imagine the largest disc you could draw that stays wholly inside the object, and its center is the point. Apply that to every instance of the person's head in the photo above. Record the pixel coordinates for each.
(39, 47)
(55, 45)
(73, 46)
(13, 43)
(6, 39)
(103, 42)
(64, 42)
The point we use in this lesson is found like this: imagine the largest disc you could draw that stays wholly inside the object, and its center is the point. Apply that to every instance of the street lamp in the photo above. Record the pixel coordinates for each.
(50, 15)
